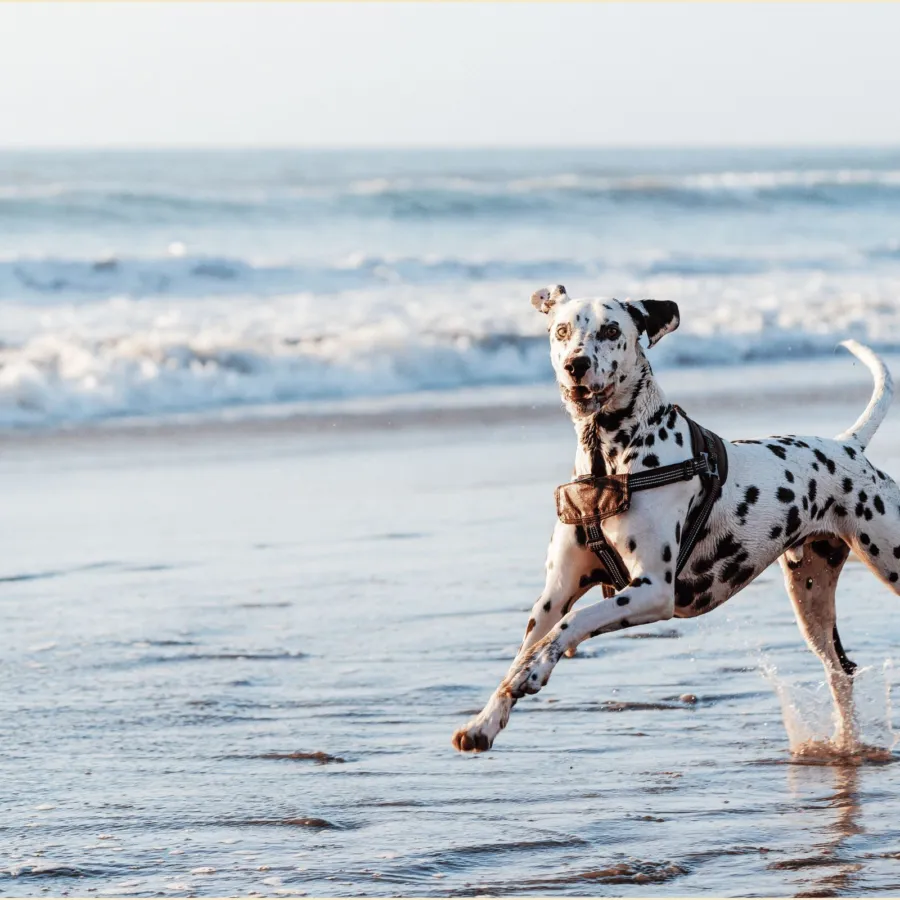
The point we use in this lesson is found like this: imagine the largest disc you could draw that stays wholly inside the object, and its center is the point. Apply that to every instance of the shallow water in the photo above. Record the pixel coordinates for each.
(234, 665)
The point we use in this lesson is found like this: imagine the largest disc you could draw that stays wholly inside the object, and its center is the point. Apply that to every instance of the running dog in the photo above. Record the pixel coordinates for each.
(805, 501)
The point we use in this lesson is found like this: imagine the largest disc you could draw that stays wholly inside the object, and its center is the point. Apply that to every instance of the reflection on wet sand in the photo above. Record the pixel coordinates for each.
(842, 869)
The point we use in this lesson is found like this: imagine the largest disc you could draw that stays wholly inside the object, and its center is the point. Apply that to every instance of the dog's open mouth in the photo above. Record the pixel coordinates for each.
(579, 393)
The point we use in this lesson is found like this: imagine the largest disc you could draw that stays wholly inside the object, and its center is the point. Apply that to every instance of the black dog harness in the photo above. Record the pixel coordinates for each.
(590, 499)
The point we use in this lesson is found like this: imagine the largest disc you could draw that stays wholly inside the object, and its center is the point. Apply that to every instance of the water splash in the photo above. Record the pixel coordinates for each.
(810, 721)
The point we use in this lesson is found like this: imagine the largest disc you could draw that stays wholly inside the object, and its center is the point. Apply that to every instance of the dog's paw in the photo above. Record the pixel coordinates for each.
(472, 739)
(478, 734)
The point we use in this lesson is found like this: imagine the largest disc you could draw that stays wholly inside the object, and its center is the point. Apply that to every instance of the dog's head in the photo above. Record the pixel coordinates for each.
(595, 345)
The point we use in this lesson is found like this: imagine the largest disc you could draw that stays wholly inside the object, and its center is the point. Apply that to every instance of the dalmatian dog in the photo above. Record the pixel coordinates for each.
(805, 501)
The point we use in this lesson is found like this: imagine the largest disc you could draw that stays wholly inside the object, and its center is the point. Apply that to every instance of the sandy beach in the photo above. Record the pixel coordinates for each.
(235, 651)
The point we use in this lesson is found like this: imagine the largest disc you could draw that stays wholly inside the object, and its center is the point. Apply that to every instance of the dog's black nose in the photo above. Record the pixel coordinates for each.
(577, 367)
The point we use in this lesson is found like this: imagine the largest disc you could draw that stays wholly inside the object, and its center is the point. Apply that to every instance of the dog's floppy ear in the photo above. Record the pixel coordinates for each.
(546, 298)
(655, 318)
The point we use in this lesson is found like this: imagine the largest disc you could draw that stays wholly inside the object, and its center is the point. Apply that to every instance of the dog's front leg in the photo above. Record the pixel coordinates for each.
(571, 571)
(647, 599)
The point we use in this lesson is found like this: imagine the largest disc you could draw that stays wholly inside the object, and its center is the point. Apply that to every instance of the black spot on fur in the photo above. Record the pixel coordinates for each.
(840, 510)
(825, 550)
(751, 495)
(785, 495)
(822, 458)
(847, 485)
(548, 605)
(778, 451)
(793, 520)
(850, 452)
(668, 576)
(878, 503)
(703, 584)
(663, 434)
(678, 533)
(789, 475)
(632, 545)
(650, 440)
(667, 553)
(729, 571)
(622, 601)
(684, 594)
(598, 576)
(865, 538)
(863, 496)
(727, 547)
(741, 512)
(775, 532)
(812, 489)
(874, 550)
(651, 460)
(679, 439)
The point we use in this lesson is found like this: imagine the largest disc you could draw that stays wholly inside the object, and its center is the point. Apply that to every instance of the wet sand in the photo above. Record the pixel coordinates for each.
(234, 653)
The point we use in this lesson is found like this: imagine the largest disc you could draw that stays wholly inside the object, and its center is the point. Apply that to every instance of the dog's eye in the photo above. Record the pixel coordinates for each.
(562, 332)
(611, 331)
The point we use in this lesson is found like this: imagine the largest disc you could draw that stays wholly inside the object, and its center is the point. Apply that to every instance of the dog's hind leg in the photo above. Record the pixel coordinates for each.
(811, 574)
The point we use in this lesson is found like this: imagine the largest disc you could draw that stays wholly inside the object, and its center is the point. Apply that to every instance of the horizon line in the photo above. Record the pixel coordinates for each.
(462, 148)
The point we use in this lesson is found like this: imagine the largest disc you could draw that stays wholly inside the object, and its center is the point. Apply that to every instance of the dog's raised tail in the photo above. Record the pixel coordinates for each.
(867, 424)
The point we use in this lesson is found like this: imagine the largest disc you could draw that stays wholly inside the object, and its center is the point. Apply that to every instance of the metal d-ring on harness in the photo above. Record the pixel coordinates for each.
(590, 499)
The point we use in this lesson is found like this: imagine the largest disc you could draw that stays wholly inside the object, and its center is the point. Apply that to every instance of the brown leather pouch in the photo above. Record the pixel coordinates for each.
(592, 499)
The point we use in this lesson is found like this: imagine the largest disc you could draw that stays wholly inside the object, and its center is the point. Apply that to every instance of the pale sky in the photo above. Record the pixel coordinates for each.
(334, 75)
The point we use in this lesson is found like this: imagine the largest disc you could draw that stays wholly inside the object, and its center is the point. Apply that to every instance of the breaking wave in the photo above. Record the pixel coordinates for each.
(176, 275)
(133, 356)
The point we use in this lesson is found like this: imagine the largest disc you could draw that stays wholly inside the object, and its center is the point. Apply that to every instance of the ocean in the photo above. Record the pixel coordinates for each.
(147, 284)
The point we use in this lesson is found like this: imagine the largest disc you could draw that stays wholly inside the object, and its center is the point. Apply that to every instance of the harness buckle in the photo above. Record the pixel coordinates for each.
(594, 535)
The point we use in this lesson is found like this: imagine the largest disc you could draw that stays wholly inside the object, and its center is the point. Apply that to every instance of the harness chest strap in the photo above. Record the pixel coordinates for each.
(590, 499)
